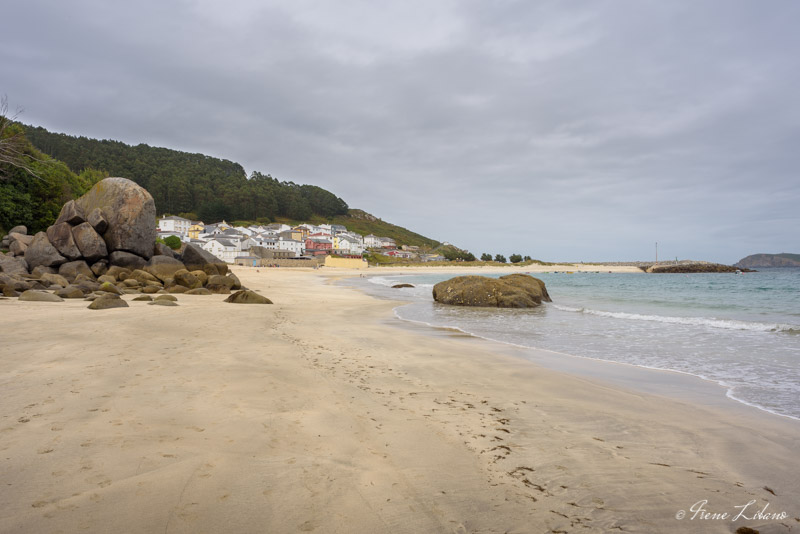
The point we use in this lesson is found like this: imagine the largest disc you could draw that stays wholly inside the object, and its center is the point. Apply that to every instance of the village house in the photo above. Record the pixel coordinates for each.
(318, 246)
(178, 225)
(224, 249)
(291, 245)
(195, 229)
(387, 242)
(346, 243)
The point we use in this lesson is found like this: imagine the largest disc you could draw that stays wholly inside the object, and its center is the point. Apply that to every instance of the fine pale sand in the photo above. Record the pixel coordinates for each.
(321, 413)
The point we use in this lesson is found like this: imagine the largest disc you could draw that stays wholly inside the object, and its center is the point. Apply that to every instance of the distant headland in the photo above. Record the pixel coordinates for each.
(765, 261)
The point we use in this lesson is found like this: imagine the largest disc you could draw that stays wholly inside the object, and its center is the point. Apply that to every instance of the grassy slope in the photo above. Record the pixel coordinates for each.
(362, 223)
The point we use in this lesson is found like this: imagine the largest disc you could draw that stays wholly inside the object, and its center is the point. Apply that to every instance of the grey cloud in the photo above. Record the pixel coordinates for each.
(564, 131)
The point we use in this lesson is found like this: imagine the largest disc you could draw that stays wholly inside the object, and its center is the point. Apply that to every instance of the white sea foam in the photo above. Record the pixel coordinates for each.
(728, 324)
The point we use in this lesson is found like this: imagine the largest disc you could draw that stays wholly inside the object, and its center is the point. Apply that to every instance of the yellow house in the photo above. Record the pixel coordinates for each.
(195, 230)
(299, 233)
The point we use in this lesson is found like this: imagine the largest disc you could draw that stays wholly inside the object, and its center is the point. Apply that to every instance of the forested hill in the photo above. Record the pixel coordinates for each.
(194, 186)
(198, 186)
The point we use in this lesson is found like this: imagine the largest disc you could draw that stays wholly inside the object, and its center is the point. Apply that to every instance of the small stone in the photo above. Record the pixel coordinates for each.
(163, 303)
(106, 302)
(33, 295)
(246, 296)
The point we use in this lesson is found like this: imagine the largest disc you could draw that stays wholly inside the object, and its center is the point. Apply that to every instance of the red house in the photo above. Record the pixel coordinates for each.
(318, 246)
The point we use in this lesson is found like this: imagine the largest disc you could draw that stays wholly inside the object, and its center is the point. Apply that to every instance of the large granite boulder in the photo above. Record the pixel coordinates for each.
(42, 252)
(127, 260)
(60, 236)
(12, 265)
(21, 229)
(89, 242)
(197, 259)
(163, 267)
(129, 211)
(512, 291)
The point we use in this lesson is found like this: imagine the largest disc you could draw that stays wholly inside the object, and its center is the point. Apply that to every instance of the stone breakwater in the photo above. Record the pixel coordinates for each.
(103, 245)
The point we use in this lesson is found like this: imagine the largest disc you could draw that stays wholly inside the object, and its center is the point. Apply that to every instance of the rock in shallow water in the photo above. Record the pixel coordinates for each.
(511, 291)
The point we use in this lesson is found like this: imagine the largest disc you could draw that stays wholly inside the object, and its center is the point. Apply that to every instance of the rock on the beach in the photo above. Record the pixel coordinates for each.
(60, 236)
(100, 267)
(197, 259)
(163, 267)
(110, 288)
(187, 279)
(129, 211)
(21, 229)
(106, 302)
(246, 296)
(511, 291)
(172, 298)
(54, 279)
(17, 248)
(144, 278)
(89, 242)
(13, 265)
(70, 292)
(163, 250)
(71, 213)
(42, 252)
(72, 269)
(34, 295)
(199, 291)
(98, 221)
(401, 286)
(127, 260)
(163, 303)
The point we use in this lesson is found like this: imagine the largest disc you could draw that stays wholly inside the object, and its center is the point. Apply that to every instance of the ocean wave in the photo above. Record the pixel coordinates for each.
(727, 324)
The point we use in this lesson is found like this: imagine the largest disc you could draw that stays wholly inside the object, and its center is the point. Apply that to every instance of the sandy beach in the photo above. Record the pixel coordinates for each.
(323, 413)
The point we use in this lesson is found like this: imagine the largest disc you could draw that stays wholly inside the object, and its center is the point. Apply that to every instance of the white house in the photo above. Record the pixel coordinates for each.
(348, 243)
(291, 245)
(387, 242)
(372, 241)
(179, 225)
(224, 249)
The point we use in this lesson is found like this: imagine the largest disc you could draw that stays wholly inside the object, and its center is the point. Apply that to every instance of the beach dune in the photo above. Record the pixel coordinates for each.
(320, 413)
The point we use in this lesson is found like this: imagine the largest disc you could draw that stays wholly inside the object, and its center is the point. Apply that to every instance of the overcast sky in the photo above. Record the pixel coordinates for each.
(563, 130)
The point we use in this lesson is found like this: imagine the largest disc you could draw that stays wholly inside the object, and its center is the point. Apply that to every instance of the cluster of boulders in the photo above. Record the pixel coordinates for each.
(510, 291)
(103, 245)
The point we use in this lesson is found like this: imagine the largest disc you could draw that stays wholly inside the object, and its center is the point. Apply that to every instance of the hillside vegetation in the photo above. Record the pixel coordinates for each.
(34, 186)
(194, 186)
(197, 185)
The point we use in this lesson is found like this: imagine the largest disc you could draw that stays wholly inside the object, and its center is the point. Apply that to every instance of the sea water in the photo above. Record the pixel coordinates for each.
(741, 331)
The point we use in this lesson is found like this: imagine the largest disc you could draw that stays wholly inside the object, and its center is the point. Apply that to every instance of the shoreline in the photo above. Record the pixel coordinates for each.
(319, 413)
(587, 366)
